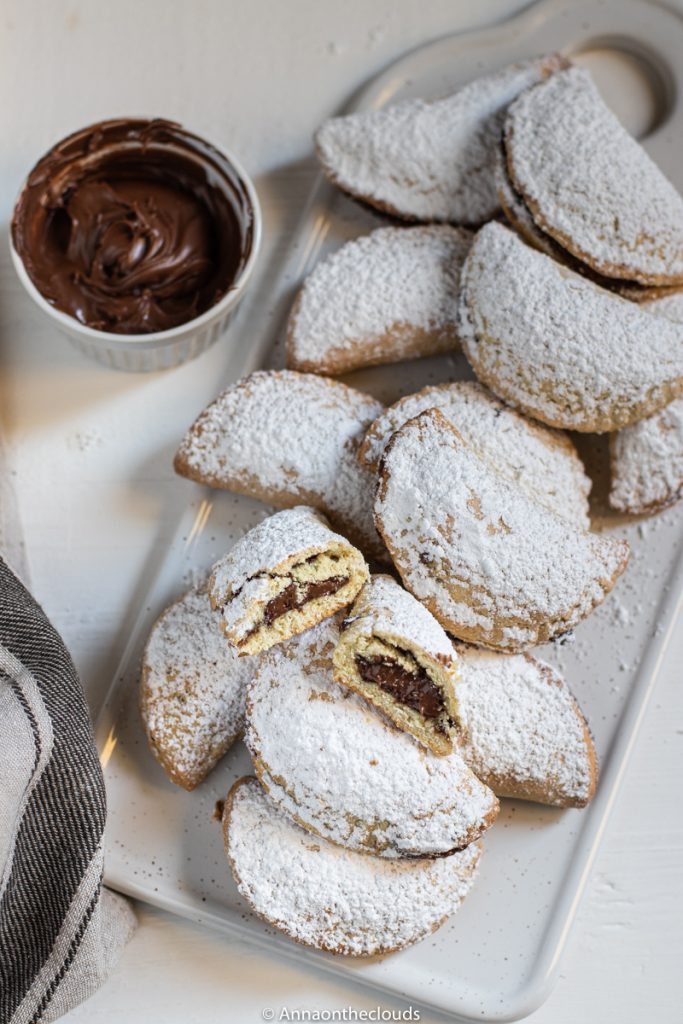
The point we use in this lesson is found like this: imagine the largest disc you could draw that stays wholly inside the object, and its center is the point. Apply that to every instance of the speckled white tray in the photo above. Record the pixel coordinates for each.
(497, 959)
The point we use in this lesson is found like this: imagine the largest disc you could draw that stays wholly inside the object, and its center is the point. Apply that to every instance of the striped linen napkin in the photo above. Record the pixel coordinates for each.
(61, 932)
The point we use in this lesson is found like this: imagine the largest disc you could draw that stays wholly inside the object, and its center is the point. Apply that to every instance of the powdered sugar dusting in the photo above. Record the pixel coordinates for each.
(647, 458)
(523, 730)
(428, 161)
(387, 296)
(334, 765)
(295, 533)
(385, 609)
(590, 185)
(193, 688)
(288, 438)
(331, 898)
(494, 566)
(293, 547)
(521, 220)
(647, 462)
(542, 461)
(670, 304)
(557, 346)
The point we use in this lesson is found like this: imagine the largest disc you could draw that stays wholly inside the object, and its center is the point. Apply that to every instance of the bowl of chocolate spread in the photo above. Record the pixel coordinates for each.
(138, 239)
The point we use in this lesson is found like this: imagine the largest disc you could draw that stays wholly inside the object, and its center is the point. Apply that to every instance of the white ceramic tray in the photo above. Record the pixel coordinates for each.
(497, 959)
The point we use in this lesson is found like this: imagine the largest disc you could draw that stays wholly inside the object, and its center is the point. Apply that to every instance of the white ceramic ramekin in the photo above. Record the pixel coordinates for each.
(161, 349)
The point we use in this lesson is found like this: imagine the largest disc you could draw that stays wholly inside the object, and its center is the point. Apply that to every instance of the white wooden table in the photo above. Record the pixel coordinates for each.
(90, 452)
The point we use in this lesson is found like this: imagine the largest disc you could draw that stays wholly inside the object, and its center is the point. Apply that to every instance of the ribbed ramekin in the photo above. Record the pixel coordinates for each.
(160, 350)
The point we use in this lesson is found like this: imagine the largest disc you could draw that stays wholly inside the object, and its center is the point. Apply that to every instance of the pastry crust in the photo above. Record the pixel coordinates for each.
(332, 899)
(394, 653)
(542, 461)
(284, 576)
(382, 298)
(494, 566)
(590, 185)
(520, 218)
(646, 460)
(341, 771)
(289, 439)
(429, 161)
(522, 731)
(557, 346)
(192, 690)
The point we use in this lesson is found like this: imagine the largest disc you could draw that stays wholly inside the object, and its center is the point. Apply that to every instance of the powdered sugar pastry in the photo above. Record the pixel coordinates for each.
(330, 898)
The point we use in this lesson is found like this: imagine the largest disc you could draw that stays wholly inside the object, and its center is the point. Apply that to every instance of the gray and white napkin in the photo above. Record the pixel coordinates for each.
(61, 932)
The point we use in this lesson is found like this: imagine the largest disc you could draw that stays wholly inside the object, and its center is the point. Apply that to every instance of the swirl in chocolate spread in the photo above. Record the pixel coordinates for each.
(133, 226)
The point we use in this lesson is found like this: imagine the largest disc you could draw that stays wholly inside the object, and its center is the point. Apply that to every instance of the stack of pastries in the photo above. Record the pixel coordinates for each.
(373, 640)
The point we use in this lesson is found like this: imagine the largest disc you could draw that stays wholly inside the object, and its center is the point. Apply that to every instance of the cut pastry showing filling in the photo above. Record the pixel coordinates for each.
(429, 161)
(345, 773)
(192, 690)
(284, 576)
(494, 566)
(388, 296)
(523, 732)
(289, 439)
(540, 460)
(395, 671)
(557, 346)
(333, 899)
(590, 185)
(394, 653)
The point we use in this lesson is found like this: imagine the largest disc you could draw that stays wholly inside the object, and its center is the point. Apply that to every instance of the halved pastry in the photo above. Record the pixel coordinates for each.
(381, 298)
(429, 161)
(394, 653)
(284, 576)
(333, 899)
(288, 439)
(590, 185)
(522, 731)
(192, 690)
(540, 460)
(557, 346)
(340, 770)
(493, 565)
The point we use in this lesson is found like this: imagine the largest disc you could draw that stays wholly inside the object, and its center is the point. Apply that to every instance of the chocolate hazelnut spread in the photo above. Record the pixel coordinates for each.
(296, 595)
(414, 689)
(133, 226)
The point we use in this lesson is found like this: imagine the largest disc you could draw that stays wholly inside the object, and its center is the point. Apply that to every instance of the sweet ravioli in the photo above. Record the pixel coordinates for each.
(289, 439)
(589, 185)
(330, 898)
(192, 690)
(557, 346)
(647, 463)
(494, 565)
(543, 462)
(647, 458)
(331, 763)
(429, 160)
(522, 731)
(520, 218)
(394, 653)
(384, 297)
(284, 576)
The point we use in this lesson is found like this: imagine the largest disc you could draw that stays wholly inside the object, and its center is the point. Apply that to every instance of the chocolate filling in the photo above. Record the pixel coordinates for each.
(133, 226)
(296, 595)
(414, 689)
